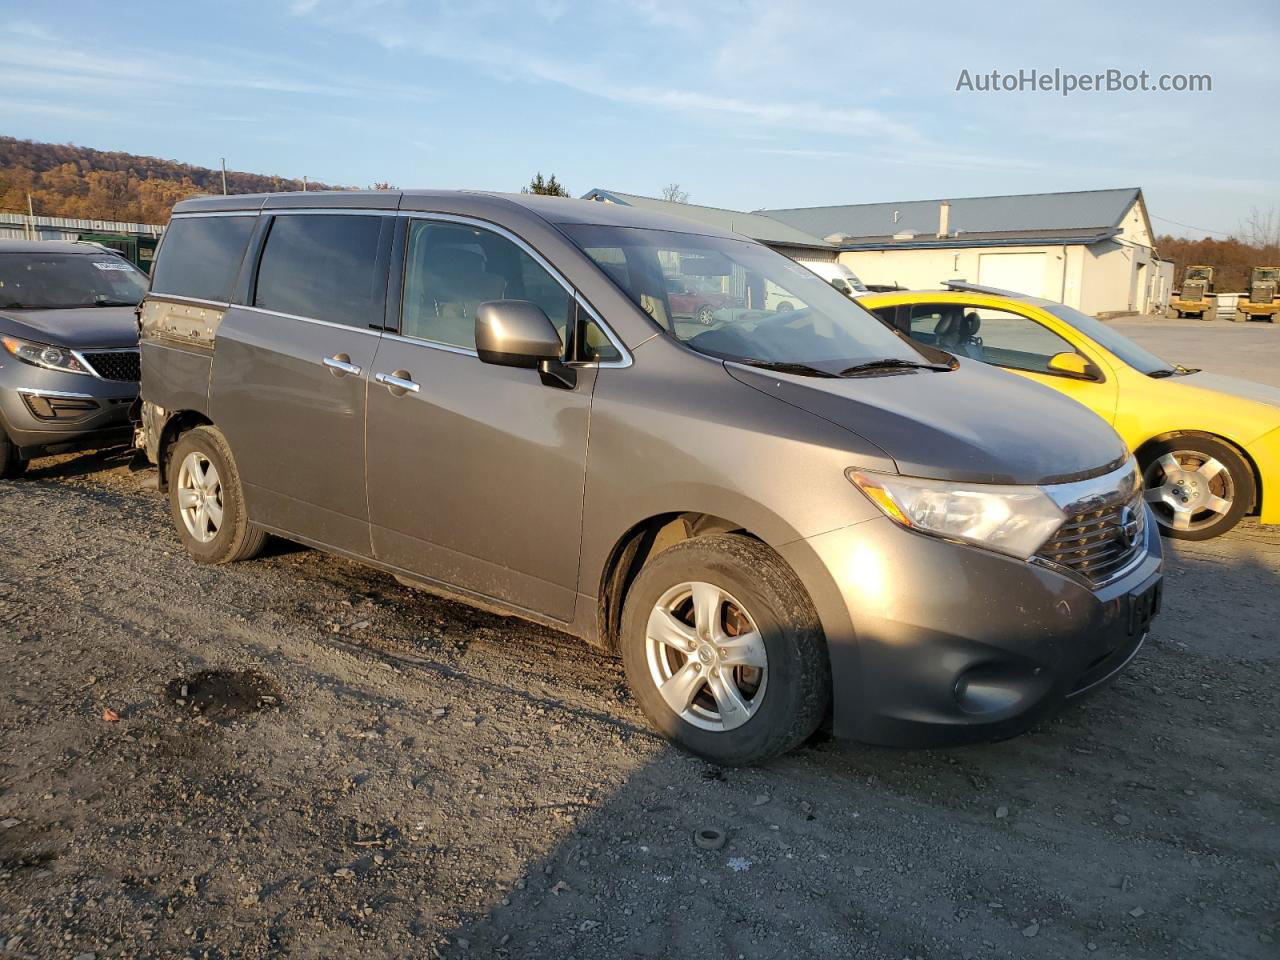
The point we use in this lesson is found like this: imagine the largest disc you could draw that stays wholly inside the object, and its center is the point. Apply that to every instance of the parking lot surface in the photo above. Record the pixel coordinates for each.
(372, 771)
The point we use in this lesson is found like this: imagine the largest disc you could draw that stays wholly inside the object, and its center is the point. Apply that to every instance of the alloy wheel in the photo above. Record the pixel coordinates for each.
(1189, 490)
(706, 656)
(200, 497)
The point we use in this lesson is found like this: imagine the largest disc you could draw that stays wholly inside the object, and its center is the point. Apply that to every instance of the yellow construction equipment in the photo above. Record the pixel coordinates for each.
(1195, 299)
(1261, 302)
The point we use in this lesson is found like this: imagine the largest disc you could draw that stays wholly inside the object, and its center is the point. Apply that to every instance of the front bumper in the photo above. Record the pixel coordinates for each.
(44, 411)
(936, 643)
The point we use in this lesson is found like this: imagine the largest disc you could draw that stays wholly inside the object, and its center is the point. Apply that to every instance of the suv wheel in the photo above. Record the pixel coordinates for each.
(724, 651)
(206, 502)
(1198, 487)
(12, 465)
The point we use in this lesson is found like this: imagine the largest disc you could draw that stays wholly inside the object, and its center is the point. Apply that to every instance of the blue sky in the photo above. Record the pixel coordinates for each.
(746, 104)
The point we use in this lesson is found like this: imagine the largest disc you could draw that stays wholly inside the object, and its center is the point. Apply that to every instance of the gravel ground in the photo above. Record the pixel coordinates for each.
(384, 773)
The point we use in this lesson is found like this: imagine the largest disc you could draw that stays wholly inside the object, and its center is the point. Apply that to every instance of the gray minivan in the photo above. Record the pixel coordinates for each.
(777, 518)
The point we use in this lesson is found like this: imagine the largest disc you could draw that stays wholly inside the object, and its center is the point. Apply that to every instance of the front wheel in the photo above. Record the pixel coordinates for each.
(206, 500)
(705, 315)
(723, 650)
(1198, 487)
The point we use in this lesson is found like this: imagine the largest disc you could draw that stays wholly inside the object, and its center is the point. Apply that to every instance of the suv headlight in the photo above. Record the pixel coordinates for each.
(1016, 520)
(44, 355)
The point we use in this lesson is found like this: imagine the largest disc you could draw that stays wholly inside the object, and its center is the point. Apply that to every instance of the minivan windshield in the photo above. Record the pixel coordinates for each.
(739, 300)
(50, 281)
(1135, 356)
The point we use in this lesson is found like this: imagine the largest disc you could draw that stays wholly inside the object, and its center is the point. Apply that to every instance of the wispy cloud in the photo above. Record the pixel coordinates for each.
(474, 36)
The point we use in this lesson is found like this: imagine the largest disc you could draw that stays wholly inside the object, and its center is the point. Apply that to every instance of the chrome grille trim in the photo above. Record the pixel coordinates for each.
(1091, 542)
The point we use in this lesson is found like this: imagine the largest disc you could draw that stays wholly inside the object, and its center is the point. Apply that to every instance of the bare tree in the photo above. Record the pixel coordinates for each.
(673, 194)
(1262, 228)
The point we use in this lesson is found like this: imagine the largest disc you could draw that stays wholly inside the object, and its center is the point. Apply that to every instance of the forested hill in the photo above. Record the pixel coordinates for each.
(69, 181)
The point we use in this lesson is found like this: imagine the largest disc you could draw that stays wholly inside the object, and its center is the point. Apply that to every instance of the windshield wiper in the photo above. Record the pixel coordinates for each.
(107, 302)
(890, 363)
(784, 367)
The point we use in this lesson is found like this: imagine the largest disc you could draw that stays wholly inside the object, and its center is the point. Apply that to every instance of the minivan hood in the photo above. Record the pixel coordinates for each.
(77, 328)
(974, 424)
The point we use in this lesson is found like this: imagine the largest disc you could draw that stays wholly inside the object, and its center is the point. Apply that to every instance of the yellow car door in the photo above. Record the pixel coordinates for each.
(1023, 343)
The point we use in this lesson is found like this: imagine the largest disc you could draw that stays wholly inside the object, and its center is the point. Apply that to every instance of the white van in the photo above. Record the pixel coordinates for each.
(836, 274)
(840, 277)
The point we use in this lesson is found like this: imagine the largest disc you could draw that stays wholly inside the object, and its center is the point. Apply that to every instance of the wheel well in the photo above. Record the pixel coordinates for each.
(174, 427)
(633, 550)
(1244, 455)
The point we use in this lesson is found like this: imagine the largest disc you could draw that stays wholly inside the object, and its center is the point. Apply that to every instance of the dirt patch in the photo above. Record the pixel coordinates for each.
(224, 694)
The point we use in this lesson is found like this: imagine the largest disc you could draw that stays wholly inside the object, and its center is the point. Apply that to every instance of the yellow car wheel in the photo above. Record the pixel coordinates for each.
(1198, 487)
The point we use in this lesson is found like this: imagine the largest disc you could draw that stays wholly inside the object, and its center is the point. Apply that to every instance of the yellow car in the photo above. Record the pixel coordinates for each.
(1208, 445)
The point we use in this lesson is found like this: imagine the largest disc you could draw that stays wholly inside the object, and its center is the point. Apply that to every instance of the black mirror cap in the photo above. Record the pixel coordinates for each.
(515, 333)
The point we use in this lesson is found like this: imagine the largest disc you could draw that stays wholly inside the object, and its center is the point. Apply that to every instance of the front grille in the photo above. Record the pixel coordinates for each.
(115, 364)
(1095, 543)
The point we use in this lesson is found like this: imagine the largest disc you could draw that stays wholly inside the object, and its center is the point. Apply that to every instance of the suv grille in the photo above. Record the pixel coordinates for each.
(1097, 544)
(115, 364)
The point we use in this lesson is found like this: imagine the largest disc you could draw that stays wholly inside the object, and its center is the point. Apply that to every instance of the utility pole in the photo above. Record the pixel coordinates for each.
(31, 218)
(304, 184)
(224, 176)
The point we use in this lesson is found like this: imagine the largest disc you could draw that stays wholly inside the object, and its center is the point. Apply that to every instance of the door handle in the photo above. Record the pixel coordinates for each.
(340, 365)
(398, 383)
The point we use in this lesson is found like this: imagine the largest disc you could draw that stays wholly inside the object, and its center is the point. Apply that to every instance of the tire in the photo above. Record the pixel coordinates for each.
(781, 700)
(230, 535)
(1218, 498)
(12, 465)
(786, 306)
(705, 315)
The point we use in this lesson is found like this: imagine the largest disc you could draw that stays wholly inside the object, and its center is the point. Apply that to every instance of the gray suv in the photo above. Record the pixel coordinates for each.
(69, 363)
(777, 518)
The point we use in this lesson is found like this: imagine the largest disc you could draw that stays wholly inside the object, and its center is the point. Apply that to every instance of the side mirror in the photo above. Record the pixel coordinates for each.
(516, 333)
(1072, 365)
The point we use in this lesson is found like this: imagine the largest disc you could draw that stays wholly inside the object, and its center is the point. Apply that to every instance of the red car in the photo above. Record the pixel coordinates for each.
(691, 303)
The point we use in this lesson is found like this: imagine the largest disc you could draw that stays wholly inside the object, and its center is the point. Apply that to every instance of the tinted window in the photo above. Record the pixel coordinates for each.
(1135, 356)
(35, 280)
(451, 269)
(999, 337)
(323, 267)
(200, 256)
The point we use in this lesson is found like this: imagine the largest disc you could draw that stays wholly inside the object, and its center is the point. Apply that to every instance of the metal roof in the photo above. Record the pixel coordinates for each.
(1028, 214)
(766, 229)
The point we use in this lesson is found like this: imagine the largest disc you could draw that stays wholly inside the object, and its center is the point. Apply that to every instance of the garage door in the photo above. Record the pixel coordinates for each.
(1020, 272)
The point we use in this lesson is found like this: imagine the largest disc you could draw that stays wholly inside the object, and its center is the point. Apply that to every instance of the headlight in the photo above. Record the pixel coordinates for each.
(43, 355)
(1016, 520)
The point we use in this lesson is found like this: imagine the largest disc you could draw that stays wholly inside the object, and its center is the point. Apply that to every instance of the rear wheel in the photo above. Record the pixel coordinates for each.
(12, 464)
(1198, 487)
(724, 651)
(705, 315)
(206, 500)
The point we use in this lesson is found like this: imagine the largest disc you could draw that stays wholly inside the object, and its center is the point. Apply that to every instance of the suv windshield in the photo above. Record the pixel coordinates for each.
(48, 281)
(746, 303)
(1135, 356)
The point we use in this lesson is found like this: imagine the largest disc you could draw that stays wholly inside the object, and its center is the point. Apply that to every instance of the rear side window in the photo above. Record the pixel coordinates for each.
(324, 267)
(200, 257)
